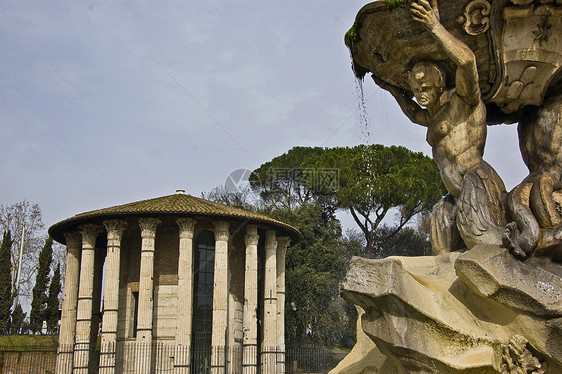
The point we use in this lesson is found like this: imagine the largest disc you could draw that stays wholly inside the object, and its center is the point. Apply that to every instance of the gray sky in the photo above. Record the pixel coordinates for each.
(104, 103)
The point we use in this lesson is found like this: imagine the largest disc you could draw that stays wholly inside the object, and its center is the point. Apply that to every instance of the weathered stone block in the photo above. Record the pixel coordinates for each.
(527, 286)
(448, 314)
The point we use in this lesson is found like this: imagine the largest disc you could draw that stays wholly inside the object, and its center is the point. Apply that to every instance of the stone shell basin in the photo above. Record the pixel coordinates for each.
(517, 44)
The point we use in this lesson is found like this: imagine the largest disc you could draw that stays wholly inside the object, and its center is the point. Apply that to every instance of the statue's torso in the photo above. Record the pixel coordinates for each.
(457, 134)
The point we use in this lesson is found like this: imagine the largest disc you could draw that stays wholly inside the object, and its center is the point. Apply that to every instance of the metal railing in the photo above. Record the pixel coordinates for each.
(155, 358)
(27, 361)
(312, 360)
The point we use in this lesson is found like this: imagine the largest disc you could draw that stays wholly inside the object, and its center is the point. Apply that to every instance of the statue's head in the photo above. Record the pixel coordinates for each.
(427, 81)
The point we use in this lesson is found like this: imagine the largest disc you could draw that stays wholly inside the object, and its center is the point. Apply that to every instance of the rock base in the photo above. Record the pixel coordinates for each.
(482, 311)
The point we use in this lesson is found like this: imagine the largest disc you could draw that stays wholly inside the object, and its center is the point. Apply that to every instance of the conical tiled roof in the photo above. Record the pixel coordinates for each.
(179, 204)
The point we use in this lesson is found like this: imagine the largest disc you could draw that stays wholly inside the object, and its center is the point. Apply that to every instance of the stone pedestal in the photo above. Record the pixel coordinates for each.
(482, 311)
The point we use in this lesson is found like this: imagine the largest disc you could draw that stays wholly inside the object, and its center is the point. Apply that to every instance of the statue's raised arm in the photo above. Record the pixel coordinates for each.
(466, 77)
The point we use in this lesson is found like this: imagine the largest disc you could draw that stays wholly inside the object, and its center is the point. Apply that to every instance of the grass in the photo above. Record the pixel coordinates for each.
(28, 343)
(342, 348)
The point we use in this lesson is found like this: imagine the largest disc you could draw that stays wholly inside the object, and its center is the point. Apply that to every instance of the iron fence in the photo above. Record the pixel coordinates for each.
(312, 359)
(156, 358)
(27, 361)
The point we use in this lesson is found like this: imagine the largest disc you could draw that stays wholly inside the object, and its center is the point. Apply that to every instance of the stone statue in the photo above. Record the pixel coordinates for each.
(535, 203)
(456, 130)
(497, 306)
(507, 66)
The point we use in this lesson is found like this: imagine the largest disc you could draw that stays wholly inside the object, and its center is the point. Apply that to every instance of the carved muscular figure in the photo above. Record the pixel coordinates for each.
(456, 130)
(535, 203)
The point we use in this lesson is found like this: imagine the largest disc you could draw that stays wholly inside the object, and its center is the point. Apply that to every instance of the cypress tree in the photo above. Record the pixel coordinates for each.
(18, 317)
(5, 282)
(52, 315)
(39, 300)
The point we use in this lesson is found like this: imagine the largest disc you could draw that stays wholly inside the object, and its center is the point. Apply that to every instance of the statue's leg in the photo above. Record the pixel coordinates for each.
(545, 210)
(540, 136)
(522, 235)
(542, 203)
(444, 235)
(480, 207)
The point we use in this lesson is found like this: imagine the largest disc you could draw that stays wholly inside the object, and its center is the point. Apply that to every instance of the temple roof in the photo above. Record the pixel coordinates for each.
(178, 204)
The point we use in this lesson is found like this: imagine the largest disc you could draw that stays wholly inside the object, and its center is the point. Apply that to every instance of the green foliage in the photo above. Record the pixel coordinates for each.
(28, 343)
(371, 182)
(283, 182)
(52, 311)
(374, 179)
(406, 242)
(5, 282)
(314, 269)
(40, 298)
(18, 325)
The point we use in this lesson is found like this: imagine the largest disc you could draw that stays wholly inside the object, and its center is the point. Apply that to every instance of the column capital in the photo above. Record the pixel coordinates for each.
(252, 239)
(73, 239)
(115, 228)
(221, 230)
(187, 226)
(90, 232)
(148, 227)
(252, 236)
(270, 240)
(283, 242)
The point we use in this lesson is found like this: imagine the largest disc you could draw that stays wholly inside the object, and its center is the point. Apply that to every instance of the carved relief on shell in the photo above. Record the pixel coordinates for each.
(477, 17)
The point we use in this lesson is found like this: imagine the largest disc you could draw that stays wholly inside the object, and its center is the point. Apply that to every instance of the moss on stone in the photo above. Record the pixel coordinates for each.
(393, 4)
(351, 36)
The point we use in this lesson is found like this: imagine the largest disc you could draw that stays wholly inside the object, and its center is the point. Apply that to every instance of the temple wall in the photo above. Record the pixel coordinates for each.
(165, 311)
(166, 254)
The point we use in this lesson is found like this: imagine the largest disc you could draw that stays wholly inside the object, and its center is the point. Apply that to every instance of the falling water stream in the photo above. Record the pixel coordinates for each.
(365, 129)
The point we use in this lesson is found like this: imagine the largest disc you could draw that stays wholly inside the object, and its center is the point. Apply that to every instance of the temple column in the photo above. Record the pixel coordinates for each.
(282, 244)
(146, 292)
(115, 230)
(250, 324)
(85, 295)
(69, 301)
(220, 299)
(185, 296)
(99, 260)
(269, 342)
